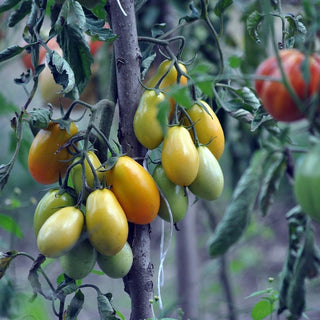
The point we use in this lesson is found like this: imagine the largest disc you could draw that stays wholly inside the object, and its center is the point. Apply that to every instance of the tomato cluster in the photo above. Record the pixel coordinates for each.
(190, 148)
(87, 222)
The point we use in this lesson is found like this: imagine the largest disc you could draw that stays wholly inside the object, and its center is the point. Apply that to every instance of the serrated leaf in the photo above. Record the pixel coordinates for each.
(5, 170)
(23, 10)
(9, 224)
(253, 22)
(261, 117)
(105, 308)
(274, 169)
(235, 220)
(77, 53)
(5, 259)
(7, 5)
(75, 306)
(295, 29)
(261, 310)
(10, 52)
(96, 29)
(40, 117)
(221, 7)
(61, 71)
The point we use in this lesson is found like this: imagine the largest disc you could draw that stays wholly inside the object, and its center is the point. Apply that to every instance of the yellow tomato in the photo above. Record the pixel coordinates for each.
(145, 123)
(106, 222)
(208, 128)
(60, 232)
(179, 157)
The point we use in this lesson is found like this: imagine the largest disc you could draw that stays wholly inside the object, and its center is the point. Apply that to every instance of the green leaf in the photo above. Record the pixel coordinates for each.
(61, 71)
(221, 7)
(253, 22)
(7, 223)
(182, 95)
(10, 52)
(162, 116)
(77, 53)
(296, 29)
(235, 220)
(274, 169)
(96, 28)
(5, 170)
(193, 15)
(7, 5)
(75, 306)
(105, 308)
(40, 117)
(234, 62)
(261, 310)
(23, 10)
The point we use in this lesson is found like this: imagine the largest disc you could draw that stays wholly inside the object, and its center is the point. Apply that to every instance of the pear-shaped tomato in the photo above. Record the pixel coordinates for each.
(106, 222)
(60, 232)
(208, 128)
(209, 182)
(171, 77)
(118, 265)
(175, 195)
(135, 189)
(145, 123)
(51, 202)
(179, 157)
(47, 159)
(76, 173)
(307, 182)
(79, 261)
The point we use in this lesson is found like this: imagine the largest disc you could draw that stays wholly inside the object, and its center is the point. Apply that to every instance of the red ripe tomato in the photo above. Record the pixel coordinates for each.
(275, 97)
(46, 161)
(135, 189)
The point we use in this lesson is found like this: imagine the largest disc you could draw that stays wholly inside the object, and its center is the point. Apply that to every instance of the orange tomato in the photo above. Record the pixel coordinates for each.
(135, 189)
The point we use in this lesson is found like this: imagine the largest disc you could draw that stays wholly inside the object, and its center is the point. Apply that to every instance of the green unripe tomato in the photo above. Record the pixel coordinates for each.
(176, 196)
(51, 202)
(209, 182)
(307, 182)
(79, 261)
(118, 265)
(60, 232)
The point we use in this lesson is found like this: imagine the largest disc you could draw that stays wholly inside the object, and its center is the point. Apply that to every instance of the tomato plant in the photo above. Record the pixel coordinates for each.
(208, 127)
(118, 265)
(79, 261)
(106, 222)
(176, 196)
(209, 181)
(306, 182)
(60, 232)
(51, 202)
(48, 159)
(274, 95)
(179, 157)
(145, 123)
(135, 189)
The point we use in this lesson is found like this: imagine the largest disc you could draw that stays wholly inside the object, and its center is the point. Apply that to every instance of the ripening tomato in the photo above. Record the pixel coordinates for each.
(60, 232)
(79, 261)
(179, 157)
(170, 79)
(175, 195)
(274, 95)
(106, 222)
(135, 189)
(118, 265)
(307, 181)
(76, 173)
(208, 128)
(209, 182)
(47, 159)
(145, 123)
(51, 202)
